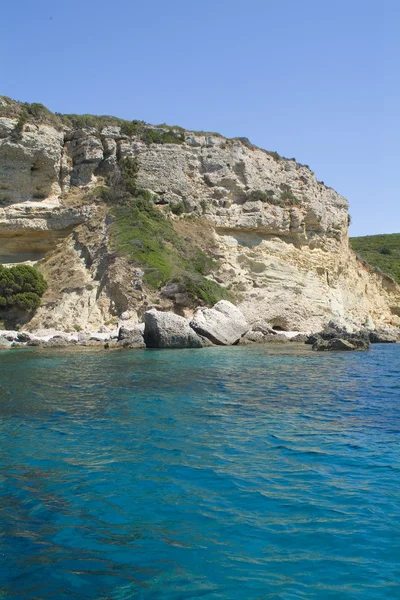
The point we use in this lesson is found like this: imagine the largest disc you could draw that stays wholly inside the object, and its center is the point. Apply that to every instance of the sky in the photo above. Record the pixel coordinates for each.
(314, 80)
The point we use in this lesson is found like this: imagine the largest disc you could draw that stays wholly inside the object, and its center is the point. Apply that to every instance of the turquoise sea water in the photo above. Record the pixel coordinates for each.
(223, 473)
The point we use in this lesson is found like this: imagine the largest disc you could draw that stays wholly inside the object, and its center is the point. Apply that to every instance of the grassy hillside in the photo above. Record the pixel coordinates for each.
(382, 251)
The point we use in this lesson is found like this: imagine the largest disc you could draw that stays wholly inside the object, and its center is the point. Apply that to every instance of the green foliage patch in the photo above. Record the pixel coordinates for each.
(19, 127)
(21, 288)
(164, 134)
(142, 232)
(257, 195)
(275, 155)
(177, 208)
(285, 198)
(203, 291)
(25, 113)
(380, 251)
(288, 198)
(147, 237)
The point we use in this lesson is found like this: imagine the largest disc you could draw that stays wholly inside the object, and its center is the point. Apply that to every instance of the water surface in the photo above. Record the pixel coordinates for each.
(222, 473)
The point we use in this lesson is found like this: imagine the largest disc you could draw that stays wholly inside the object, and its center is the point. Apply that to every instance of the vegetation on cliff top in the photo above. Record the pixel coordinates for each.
(380, 251)
(21, 288)
(37, 113)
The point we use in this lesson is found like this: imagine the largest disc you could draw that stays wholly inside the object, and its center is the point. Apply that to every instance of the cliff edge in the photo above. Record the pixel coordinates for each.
(277, 237)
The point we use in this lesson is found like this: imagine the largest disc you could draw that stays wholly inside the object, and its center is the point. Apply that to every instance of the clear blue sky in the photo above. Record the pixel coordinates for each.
(312, 79)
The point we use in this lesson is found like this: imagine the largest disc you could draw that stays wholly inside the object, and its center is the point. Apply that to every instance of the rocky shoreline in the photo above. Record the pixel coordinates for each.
(222, 325)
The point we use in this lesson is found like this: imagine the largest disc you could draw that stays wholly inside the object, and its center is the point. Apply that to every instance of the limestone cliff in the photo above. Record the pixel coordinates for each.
(279, 235)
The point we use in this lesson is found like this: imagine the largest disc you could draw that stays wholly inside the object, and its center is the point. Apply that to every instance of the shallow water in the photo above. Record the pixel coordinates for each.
(224, 473)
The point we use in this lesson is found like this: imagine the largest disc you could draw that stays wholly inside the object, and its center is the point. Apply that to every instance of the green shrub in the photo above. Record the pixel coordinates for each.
(21, 288)
(121, 183)
(133, 128)
(245, 141)
(142, 232)
(24, 112)
(145, 133)
(288, 198)
(19, 127)
(177, 208)
(26, 301)
(144, 196)
(202, 290)
(203, 206)
(147, 237)
(154, 136)
(89, 121)
(213, 133)
(37, 110)
(97, 193)
(129, 171)
(264, 196)
(275, 155)
(256, 195)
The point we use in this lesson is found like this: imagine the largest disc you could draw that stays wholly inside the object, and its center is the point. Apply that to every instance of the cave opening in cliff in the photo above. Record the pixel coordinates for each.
(279, 324)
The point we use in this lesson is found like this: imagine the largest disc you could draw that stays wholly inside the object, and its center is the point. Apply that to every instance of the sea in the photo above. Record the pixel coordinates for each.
(241, 473)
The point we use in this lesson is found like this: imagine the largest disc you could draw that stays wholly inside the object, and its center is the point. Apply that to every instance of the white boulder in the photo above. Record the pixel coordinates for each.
(167, 330)
(224, 324)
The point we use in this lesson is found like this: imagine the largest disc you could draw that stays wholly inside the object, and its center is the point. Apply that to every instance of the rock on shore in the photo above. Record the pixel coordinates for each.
(167, 330)
(224, 324)
(334, 337)
(382, 337)
(131, 338)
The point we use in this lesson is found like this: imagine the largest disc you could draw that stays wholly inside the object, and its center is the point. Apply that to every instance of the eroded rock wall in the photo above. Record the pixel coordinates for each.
(282, 235)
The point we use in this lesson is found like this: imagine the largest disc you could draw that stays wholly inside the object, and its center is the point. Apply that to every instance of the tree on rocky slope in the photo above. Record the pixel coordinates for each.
(21, 288)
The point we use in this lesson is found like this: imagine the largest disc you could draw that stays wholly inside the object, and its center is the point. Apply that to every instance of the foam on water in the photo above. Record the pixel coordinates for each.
(225, 473)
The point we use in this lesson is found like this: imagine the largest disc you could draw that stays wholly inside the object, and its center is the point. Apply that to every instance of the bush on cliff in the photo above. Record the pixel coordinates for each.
(21, 288)
(142, 232)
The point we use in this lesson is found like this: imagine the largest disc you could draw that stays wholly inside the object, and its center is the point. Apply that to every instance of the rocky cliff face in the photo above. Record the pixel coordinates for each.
(279, 234)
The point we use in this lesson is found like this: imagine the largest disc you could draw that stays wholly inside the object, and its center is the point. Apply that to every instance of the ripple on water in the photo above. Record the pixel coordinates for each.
(234, 473)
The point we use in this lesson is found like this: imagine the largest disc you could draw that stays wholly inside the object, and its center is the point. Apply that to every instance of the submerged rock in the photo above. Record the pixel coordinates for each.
(341, 344)
(35, 343)
(57, 341)
(279, 338)
(312, 338)
(299, 338)
(93, 343)
(263, 328)
(18, 345)
(334, 337)
(265, 335)
(224, 324)
(167, 330)
(252, 337)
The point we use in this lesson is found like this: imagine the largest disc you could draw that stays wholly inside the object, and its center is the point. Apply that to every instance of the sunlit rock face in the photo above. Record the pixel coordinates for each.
(282, 235)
